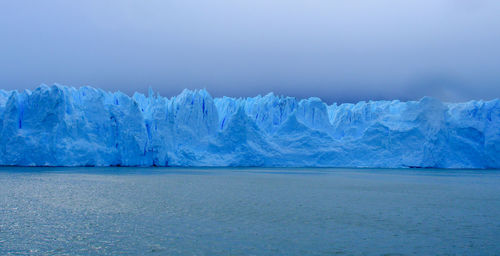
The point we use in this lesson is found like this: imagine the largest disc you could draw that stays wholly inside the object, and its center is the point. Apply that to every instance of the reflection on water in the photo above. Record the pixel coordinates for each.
(249, 211)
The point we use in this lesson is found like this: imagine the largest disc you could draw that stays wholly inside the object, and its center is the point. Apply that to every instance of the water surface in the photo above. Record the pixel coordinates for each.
(180, 211)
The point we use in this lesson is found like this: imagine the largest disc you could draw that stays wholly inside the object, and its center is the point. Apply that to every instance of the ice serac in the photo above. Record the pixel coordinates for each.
(65, 126)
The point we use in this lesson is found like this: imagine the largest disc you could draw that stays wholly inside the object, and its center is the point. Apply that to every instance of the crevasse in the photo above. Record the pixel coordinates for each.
(65, 126)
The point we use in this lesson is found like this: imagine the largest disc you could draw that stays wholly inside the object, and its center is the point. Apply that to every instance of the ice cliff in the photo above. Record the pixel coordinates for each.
(65, 126)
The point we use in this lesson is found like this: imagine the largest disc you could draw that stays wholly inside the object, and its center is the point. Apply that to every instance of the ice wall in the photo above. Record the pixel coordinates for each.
(64, 126)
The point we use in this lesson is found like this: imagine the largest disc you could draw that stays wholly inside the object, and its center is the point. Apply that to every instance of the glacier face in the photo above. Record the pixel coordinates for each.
(65, 126)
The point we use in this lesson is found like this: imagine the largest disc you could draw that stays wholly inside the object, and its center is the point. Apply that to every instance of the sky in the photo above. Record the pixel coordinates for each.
(338, 50)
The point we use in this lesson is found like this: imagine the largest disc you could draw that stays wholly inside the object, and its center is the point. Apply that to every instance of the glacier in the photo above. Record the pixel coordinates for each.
(66, 126)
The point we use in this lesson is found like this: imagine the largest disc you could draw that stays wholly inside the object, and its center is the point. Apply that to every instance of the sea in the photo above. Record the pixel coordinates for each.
(248, 211)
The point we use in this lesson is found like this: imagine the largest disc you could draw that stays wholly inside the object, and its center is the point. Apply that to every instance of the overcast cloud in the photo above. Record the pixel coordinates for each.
(339, 50)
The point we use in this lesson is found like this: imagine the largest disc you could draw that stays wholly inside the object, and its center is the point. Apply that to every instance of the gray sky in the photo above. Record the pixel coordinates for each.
(339, 50)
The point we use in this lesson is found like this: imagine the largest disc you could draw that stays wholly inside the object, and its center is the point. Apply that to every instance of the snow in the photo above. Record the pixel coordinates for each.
(65, 126)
